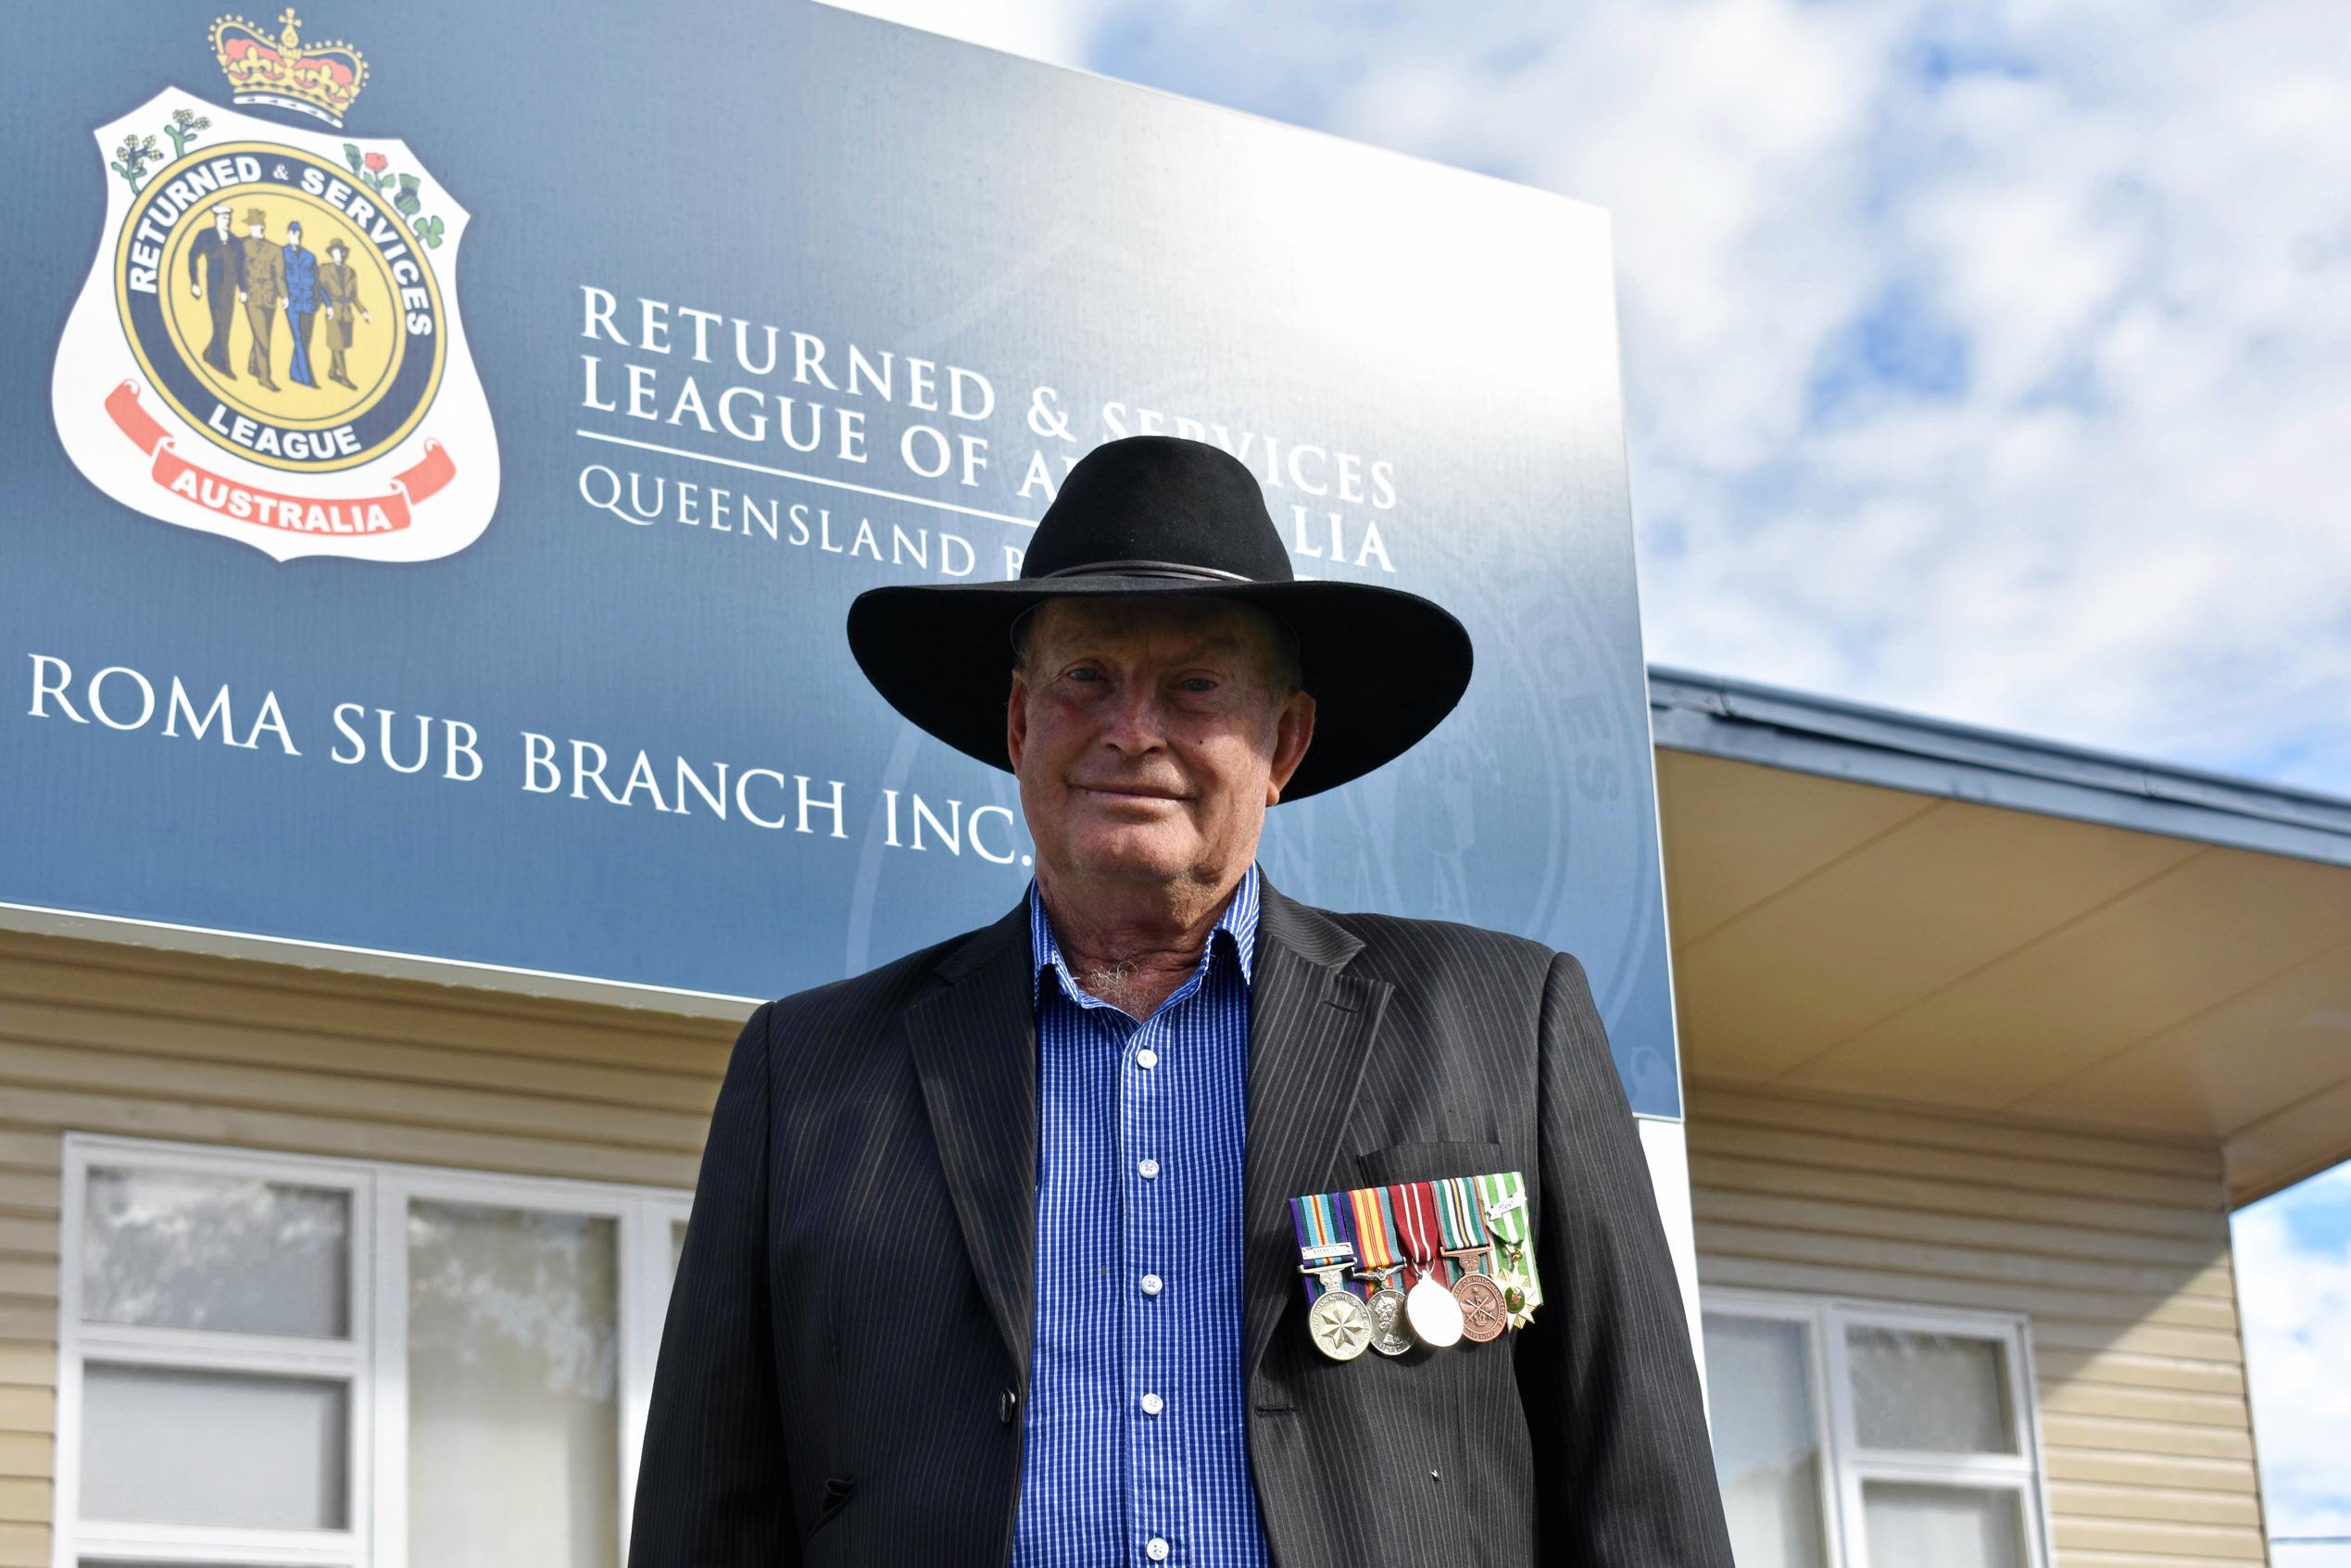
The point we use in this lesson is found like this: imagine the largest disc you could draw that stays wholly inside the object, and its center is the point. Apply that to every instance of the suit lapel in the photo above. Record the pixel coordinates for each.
(1310, 1032)
(975, 1046)
(974, 1040)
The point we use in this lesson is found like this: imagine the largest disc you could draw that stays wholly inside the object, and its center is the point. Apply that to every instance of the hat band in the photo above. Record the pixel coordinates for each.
(1151, 568)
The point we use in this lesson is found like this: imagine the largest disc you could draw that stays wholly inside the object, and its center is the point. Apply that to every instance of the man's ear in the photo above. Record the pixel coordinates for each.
(1016, 719)
(1293, 733)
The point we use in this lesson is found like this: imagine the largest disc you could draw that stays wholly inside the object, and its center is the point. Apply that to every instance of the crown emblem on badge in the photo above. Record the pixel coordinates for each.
(281, 70)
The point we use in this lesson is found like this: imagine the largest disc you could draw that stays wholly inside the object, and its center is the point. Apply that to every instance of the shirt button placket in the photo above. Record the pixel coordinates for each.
(1157, 1467)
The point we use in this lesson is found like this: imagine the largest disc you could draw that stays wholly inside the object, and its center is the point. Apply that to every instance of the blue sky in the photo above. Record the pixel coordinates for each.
(2293, 1269)
(1981, 359)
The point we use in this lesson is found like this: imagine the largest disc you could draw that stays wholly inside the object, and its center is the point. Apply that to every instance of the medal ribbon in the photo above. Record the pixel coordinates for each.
(1507, 1191)
(1459, 1217)
(1415, 1204)
(1315, 1217)
(1341, 1215)
(1374, 1232)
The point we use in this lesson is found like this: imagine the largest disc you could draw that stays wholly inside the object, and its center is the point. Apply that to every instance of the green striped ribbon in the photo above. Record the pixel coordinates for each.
(1459, 1218)
(1502, 1200)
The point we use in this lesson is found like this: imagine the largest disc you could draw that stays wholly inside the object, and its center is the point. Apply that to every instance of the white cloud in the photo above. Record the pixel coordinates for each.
(2293, 1258)
(2125, 526)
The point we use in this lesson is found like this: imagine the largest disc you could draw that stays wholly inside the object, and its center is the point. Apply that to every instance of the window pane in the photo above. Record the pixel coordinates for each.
(1912, 1525)
(166, 1447)
(513, 1415)
(1759, 1386)
(181, 1251)
(1938, 1393)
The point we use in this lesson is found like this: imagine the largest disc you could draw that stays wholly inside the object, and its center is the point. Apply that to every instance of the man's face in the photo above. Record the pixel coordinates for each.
(1149, 737)
(254, 230)
(294, 234)
(220, 223)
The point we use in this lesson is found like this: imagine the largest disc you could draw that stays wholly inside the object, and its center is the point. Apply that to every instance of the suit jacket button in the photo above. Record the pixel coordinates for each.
(1007, 1406)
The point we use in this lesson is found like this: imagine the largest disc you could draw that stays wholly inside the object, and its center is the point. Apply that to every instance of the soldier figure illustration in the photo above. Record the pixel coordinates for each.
(260, 285)
(301, 302)
(339, 293)
(212, 277)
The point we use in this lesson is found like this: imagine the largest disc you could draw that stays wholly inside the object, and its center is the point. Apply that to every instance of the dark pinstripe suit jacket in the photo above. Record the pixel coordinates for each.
(847, 1342)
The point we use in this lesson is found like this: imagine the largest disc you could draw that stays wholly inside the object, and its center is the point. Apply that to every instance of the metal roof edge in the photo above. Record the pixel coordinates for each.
(1775, 726)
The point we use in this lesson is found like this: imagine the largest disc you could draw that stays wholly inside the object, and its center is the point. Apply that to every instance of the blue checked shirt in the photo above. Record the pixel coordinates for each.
(1137, 1440)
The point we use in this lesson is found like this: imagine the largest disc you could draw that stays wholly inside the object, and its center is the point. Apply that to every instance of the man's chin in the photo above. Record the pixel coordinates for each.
(1139, 856)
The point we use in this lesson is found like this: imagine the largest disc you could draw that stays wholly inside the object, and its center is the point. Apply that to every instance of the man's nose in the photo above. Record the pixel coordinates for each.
(1132, 723)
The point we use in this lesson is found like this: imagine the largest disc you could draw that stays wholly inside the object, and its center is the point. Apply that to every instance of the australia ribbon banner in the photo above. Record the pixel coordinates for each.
(301, 514)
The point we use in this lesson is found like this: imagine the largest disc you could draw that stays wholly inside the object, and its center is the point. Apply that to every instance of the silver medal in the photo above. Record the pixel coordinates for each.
(1386, 1308)
(1339, 1321)
(1433, 1314)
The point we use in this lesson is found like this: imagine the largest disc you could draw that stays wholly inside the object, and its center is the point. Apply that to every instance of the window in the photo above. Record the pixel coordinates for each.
(1852, 1434)
(276, 1359)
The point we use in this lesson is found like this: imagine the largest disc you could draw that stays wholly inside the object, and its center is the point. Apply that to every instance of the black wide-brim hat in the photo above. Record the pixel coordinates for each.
(1155, 515)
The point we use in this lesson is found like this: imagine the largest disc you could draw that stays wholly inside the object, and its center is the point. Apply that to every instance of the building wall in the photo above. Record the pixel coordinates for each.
(2116, 1247)
(100, 1038)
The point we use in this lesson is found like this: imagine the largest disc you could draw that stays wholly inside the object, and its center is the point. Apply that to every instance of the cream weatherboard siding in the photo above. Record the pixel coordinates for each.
(100, 1038)
(2116, 1249)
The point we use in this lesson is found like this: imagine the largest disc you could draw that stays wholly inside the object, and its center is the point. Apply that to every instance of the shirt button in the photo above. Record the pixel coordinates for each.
(1152, 1283)
(1153, 1404)
(1148, 1169)
(1156, 1550)
(1147, 1057)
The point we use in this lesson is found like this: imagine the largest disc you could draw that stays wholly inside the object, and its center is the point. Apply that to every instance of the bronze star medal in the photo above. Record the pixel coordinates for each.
(1504, 1202)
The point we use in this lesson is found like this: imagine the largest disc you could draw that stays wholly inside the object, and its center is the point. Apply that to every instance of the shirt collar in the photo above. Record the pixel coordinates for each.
(1238, 925)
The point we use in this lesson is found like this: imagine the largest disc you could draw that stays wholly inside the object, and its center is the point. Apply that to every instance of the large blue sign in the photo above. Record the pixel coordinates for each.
(490, 606)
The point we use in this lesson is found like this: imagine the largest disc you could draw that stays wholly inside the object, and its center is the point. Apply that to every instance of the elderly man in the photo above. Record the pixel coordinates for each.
(994, 1259)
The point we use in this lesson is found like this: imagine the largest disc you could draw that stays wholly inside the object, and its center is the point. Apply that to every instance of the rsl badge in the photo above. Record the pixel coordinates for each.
(268, 346)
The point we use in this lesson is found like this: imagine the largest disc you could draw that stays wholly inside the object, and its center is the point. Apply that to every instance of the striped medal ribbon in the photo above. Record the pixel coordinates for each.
(1502, 1200)
(1378, 1266)
(1429, 1308)
(1336, 1320)
(1483, 1315)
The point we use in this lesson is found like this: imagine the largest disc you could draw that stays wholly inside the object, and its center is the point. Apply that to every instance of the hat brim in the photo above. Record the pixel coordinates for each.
(1385, 666)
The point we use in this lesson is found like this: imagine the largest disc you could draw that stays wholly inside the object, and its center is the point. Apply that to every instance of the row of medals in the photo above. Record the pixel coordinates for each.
(1477, 1306)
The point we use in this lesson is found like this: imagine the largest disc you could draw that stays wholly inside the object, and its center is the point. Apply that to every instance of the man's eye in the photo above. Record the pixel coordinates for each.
(1201, 683)
(1084, 672)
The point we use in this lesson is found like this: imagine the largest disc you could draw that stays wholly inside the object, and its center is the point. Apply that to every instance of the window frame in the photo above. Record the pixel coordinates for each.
(1846, 1465)
(371, 1360)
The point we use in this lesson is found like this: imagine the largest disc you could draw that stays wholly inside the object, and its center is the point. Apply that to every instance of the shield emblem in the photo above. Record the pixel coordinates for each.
(268, 346)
